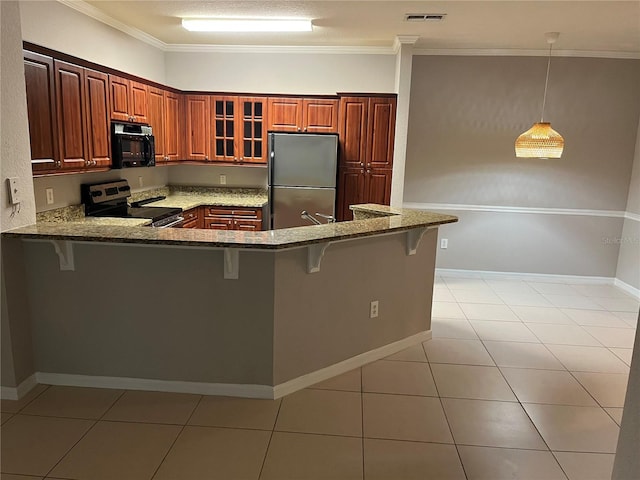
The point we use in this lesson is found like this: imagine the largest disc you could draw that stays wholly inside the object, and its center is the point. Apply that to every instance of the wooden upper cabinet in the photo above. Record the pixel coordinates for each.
(251, 136)
(303, 115)
(156, 117)
(97, 112)
(320, 115)
(128, 100)
(353, 131)
(172, 126)
(285, 114)
(381, 129)
(120, 101)
(41, 108)
(223, 127)
(70, 94)
(138, 93)
(197, 109)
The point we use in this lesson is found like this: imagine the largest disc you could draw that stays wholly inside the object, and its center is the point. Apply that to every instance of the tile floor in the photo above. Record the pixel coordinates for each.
(522, 380)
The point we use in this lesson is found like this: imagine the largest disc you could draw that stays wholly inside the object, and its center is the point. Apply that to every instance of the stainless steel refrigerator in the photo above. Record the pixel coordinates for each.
(302, 176)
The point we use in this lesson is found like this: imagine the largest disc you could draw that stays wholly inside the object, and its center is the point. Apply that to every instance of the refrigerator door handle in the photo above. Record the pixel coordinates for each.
(328, 218)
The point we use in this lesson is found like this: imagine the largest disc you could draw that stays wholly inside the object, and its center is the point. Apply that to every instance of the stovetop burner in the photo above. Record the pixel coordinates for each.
(110, 200)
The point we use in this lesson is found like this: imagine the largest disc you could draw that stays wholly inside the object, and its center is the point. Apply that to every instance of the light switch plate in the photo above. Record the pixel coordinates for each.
(14, 192)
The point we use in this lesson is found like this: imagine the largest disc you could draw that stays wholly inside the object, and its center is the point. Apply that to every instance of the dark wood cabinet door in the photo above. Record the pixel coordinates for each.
(223, 126)
(41, 108)
(378, 186)
(192, 218)
(70, 95)
(120, 100)
(381, 129)
(353, 131)
(172, 126)
(320, 115)
(98, 125)
(138, 102)
(252, 133)
(156, 117)
(285, 114)
(351, 191)
(197, 127)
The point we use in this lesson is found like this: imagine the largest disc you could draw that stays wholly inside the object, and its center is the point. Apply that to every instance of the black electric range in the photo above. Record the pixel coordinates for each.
(109, 199)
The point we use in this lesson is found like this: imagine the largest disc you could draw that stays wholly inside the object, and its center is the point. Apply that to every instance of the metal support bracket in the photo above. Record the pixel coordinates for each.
(315, 252)
(413, 239)
(64, 249)
(231, 263)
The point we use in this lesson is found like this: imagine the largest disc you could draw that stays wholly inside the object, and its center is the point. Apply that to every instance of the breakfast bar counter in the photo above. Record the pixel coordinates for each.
(254, 314)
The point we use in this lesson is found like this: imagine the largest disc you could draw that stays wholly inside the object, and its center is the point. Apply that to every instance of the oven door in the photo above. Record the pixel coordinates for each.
(168, 222)
(133, 151)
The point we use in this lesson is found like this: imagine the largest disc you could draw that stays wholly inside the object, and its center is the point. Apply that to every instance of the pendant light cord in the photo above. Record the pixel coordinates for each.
(546, 82)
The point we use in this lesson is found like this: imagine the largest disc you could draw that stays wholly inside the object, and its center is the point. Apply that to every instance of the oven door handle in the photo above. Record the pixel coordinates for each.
(168, 225)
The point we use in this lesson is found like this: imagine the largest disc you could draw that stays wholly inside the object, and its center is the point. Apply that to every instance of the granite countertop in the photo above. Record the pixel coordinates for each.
(222, 198)
(394, 220)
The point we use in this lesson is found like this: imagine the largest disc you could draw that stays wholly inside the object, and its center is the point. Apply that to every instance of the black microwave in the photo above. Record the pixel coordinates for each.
(132, 145)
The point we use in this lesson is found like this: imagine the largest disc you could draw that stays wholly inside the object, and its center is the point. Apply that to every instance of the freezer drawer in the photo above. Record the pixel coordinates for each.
(288, 203)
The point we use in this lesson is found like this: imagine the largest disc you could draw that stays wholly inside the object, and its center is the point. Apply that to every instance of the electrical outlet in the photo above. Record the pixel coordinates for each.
(373, 309)
(444, 243)
(49, 196)
(140, 182)
(223, 179)
(14, 191)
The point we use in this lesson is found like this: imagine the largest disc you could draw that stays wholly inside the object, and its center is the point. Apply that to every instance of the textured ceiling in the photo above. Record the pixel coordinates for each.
(584, 25)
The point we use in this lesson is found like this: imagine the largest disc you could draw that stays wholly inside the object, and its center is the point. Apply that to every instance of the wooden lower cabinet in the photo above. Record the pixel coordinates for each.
(192, 218)
(360, 185)
(233, 218)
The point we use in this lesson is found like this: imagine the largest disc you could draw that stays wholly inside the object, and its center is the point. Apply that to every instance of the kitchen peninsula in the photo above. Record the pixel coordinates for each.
(256, 314)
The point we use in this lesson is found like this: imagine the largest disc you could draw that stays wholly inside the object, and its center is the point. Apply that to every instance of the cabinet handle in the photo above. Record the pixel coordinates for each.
(58, 163)
(368, 165)
(305, 129)
(361, 164)
(206, 157)
(299, 129)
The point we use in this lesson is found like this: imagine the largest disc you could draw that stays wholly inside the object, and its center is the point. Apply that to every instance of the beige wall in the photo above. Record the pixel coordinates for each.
(209, 175)
(15, 153)
(323, 318)
(307, 73)
(629, 260)
(465, 115)
(54, 25)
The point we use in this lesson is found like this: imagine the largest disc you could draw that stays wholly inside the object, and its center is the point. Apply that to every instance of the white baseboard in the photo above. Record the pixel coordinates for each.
(16, 393)
(225, 389)
(222, 389)
(540, 277)
(309, 379)
(533, 277)
(627, 288)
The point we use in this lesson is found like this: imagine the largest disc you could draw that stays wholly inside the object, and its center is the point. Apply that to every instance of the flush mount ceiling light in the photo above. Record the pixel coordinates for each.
(541, 141)
(246, 25)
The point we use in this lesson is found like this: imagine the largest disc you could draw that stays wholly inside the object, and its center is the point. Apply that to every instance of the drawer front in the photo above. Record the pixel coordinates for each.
(251, 225)
(247, 213)
(190, 214)
(218, 223)
(218, 212)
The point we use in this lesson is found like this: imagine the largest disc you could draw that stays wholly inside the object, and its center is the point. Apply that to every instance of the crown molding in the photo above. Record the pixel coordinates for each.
(317, 49)
(518, 52)
(91, 11)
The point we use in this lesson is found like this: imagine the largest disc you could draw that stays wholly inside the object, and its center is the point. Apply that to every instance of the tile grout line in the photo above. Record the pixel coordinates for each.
(155, 472)
(95, 422)
(266, 452)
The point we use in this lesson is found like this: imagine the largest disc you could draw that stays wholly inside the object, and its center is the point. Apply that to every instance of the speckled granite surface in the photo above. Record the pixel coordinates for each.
(72, 213)
(191, 197)
(397, 221)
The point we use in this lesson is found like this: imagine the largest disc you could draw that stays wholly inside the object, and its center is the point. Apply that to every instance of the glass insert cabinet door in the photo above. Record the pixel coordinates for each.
(239, 133)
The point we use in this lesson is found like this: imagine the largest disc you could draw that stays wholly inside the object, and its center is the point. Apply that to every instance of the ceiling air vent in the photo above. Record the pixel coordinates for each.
(424, 17)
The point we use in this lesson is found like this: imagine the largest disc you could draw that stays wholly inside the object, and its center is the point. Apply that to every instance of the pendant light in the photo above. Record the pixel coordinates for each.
(541, 141)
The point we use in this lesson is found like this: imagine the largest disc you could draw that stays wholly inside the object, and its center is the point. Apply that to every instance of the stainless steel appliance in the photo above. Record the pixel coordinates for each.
(132, 145)
(302, 178)
(109, 199)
